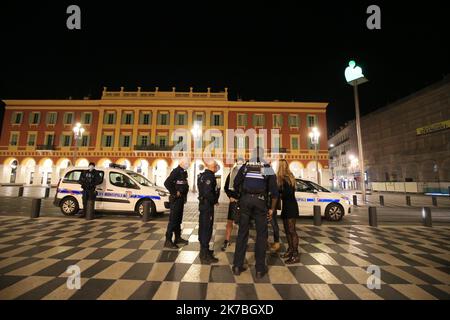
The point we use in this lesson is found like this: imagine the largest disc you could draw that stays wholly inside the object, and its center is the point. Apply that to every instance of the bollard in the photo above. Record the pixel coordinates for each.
(317, 216)
(90, 210)
(355, 200)
(373, 220)
(381, 200)
(426, 217)
(35, 208)
(146, 213)
(408, 200)
(47, 192)
(434, 201)
(20, 194)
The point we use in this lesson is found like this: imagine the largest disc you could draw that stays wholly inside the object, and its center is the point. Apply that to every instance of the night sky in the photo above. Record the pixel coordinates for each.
(283, 52)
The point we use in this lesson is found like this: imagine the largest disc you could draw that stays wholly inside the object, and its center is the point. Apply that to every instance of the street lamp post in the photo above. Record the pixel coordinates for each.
(196, 132)
(77, 134)
(314, 135)
(355, 77)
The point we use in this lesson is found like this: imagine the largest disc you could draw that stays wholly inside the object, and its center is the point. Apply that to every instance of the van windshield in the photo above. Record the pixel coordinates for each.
(143, 181)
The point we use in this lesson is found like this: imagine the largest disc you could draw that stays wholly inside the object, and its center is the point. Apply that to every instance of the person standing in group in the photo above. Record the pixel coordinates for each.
(233, 206)
(289, 211)
(255, 180)
(178, 186)
(89, 179)
(208, 196)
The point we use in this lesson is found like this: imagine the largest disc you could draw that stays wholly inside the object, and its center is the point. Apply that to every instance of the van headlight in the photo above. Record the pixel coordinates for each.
(162, 193)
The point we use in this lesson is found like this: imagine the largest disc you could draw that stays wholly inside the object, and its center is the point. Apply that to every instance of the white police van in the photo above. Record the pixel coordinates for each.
(309, 194)
(120, 190)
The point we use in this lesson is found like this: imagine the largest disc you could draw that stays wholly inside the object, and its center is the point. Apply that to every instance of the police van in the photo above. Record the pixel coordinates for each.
(120, 190)
(309, 194)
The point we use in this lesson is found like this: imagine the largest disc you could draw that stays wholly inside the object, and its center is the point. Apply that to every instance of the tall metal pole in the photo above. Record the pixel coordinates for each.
(317, 161)
(195, 172)
(75, 152)
(360, 147)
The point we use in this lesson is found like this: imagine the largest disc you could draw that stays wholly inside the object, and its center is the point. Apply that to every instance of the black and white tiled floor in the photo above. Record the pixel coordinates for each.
(126, 260)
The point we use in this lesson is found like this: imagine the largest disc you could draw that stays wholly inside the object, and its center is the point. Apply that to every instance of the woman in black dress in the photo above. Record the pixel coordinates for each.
(289, 211)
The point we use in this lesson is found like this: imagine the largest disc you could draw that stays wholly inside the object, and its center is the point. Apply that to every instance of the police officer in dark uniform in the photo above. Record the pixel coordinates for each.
(178, 187)
(89, 179)
(208, 197)
(255, 180)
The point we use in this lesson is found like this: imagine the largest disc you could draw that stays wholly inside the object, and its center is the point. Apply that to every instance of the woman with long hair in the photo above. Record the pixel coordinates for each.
(289, 211)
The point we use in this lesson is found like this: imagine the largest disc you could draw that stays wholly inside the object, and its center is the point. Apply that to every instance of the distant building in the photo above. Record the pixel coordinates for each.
(139, 130)
(406, 141)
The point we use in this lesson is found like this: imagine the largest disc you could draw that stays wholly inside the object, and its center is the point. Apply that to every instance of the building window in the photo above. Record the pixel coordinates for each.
(145, 118)
(14, 139)
(68, 118)
(277, 121)
(87, 118)
(35, 117)
(163, 119)
(110, 118)
(293, 121)
(143, 140)
(216, 120)
(260, 141)
(85, 141)
(161, 141)
(216, 142)
(258, 120)
(49, 139)
(241, 120)
(31, 139)
(51, 118)
(16, 118)
(311, 121)
(108, 141)
(66, 140)
(181, 119)
(127, 118)
(198, 118)
(294, 143)
(125, 141)
(276, 142)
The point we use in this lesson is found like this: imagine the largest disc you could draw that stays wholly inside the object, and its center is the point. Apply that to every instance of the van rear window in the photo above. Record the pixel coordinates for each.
(74, 176)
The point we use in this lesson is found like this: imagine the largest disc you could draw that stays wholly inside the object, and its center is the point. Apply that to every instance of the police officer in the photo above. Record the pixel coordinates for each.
(208, 197)
(255, 180)
(89, 179)
(178, 187)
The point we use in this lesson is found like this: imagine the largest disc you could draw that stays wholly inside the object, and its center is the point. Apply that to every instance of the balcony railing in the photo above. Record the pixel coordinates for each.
(152, 147)
(45, 147)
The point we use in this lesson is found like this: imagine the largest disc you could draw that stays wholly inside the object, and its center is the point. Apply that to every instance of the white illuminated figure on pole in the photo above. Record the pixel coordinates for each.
(353, 72)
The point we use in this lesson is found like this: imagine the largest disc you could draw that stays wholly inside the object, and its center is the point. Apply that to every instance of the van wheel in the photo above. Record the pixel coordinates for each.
(334, 212)
(69, 206)
(140, 207)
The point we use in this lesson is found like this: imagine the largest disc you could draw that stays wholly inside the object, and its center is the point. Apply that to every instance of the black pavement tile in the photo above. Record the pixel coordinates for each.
(55, 233)
(105, 235)
(221, 274)
(100, 253)
(274, 260)
(131, 236)
(56, 269)
(339, 240)
(304, 275)
(337, 248)
(18, 265)
(92, 289)
(156, 236)
(135, 255)
(139, 271)
(146, 291)
(246, 292)
(389, 293)
(101, 243)
(18, 241)
(310, 240)
(390, 278)
(372, 259)
(418, 274)
(392, 248)
(342, 292)
(291, 292)
(168, 256)
(43, 290)
(411, 262)
(434, 258)
(192, 291)
(341, 260)
(96, 268)
(367, 248)
(7, 281)
(130, 230)
(75, 242)
(177, 272)
(264, 279)
(425, 249)
(8, 248)
(66, 253)
(340, 273)
(307, 259)
(34, 251)
(133, 244)
(435, 292)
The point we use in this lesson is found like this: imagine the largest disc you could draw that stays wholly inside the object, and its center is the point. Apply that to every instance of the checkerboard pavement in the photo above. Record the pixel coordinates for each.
(126, 260)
